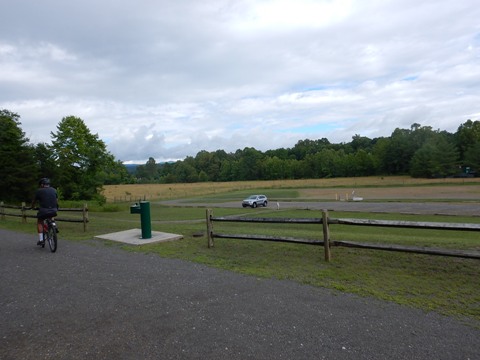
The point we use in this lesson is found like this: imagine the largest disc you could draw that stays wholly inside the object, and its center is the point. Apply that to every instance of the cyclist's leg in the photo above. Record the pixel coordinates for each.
(40, 230)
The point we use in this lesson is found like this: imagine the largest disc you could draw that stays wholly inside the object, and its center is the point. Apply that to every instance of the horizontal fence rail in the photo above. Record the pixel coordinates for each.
(270, 220)
(325, 221)
(24, 213)
(269, 238)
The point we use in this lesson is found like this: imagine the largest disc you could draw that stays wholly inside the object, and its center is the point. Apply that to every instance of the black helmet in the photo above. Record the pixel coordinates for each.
(44, 181)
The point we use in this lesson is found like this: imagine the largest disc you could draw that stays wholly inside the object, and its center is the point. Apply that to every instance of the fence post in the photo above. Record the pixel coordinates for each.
(209, 228)
(85, 217)
(24, 213)
(326, 235)
(2, 210)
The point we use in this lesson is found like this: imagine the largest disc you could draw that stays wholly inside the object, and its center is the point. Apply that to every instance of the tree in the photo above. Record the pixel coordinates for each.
(380, 155)
(363, 163)
(472, 157)
(249, 164)
(361, 143)
(81, 157)
(398, 152)
(467, 135)
(149, 172)
(185, 172)
(436, 158)
(423, 162)
(227, 170)
(17, 160)
(273, 168)
(46, 161)
(116, 173)
(305, 147)
(208, 165)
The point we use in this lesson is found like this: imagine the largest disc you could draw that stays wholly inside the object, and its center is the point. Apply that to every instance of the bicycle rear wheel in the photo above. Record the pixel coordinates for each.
(52, 238)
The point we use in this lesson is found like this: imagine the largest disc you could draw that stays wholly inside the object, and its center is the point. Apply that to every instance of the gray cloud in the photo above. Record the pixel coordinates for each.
(167, 79)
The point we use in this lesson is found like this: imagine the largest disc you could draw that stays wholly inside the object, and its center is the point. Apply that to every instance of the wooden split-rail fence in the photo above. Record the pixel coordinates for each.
(24, 212)
(327, 243)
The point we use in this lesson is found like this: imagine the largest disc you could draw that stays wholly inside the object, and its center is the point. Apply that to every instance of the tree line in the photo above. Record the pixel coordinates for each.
(79, 163)
(419, 151)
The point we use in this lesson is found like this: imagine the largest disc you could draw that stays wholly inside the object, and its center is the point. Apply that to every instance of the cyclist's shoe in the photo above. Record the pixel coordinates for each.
(41, 242)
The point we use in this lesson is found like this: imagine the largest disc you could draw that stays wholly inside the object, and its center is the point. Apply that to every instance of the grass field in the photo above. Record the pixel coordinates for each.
(315, 188)
(445, 285)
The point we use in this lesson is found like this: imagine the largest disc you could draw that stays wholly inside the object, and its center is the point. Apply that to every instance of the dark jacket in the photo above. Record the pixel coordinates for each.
(48, 202)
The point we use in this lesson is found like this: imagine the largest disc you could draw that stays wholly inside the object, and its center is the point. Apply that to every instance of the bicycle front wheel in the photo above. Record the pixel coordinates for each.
(52, 239)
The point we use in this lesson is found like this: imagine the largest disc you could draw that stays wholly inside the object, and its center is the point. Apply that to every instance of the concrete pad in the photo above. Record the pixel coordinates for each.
(134, 237)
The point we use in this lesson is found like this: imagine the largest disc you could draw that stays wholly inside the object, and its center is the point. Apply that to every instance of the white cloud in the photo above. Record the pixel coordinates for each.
(167, 79)
(286, 15)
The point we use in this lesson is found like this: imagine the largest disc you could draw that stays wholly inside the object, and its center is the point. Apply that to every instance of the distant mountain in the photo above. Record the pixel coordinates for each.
(131, 168)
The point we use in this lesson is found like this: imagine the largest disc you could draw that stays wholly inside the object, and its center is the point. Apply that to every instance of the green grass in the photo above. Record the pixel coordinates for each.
(445, 285)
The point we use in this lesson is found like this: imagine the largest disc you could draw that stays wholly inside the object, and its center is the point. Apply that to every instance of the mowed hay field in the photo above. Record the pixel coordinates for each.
(370, 188)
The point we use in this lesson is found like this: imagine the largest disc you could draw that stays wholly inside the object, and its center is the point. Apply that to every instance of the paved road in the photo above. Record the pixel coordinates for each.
(91, 301)
(435, 208)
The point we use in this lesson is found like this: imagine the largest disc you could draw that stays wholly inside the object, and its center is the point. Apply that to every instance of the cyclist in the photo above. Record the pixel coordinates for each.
(48, 205)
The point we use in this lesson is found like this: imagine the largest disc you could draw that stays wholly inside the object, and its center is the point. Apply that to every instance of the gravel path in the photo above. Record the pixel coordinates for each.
(434, 208)
(91, 301)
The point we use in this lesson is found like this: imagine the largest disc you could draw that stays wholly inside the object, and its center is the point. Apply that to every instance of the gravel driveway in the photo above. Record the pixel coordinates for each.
(92, 301)
(433, 208)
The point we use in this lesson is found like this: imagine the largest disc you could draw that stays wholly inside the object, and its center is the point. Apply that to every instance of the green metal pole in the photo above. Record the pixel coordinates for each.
(145, 220)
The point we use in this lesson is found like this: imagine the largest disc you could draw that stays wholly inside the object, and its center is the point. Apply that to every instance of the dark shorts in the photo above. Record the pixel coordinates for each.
(46, 213)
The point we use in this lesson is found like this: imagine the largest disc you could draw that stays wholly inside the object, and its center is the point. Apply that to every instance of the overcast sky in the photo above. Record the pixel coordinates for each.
(166, 79)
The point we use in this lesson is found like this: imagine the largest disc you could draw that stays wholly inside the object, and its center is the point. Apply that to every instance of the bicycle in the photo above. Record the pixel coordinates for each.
(50, 231)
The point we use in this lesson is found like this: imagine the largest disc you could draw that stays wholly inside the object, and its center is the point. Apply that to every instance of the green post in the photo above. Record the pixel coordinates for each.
(144, 210)
(145, 219)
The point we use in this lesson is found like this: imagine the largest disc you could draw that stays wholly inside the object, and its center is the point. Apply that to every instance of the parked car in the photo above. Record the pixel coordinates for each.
(255, 200)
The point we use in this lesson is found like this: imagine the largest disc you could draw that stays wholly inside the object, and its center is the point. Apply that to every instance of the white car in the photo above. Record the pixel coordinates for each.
(255, 200)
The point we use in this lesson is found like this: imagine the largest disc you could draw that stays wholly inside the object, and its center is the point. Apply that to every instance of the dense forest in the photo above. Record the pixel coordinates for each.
(79, 163)
(419, 151)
